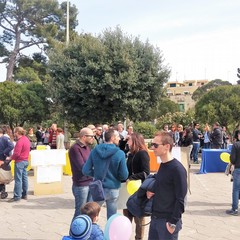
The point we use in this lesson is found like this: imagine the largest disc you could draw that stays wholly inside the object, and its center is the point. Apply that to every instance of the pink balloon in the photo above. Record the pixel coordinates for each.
(120, 228)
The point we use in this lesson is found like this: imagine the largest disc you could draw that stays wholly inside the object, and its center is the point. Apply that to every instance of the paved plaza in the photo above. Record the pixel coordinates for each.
(48, 217)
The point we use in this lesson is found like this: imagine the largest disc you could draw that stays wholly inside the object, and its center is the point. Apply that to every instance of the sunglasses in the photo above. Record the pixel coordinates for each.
(91, 136)
(155, 145)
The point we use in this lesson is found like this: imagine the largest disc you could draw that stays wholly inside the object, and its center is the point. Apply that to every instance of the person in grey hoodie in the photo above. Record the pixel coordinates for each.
(117, 170)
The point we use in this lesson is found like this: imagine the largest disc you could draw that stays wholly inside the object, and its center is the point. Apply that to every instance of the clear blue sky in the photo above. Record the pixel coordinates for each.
(199, 39)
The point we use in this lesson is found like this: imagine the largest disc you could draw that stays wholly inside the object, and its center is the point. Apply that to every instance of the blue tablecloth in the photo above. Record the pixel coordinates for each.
(211, 161)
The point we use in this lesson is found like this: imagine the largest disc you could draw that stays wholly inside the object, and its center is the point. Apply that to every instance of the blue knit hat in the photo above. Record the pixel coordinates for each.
(81, 227)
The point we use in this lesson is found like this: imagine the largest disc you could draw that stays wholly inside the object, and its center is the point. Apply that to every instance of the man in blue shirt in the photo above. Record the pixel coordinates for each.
(196, 142)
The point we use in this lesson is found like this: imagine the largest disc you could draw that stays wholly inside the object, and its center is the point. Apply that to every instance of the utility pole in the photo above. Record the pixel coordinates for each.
(67, 24)
(66, 140)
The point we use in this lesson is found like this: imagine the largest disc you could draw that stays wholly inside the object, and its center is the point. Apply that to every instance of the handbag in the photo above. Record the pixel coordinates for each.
(96, 187)
(5, 176)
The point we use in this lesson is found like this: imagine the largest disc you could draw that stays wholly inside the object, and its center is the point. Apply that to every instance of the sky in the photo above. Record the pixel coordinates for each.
(198, 39)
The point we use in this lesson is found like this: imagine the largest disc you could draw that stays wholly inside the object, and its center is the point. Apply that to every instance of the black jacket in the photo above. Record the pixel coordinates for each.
(216, 136)
(235, 155)
(138, 165)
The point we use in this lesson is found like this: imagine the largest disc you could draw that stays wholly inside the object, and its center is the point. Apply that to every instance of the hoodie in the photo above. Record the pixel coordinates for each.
(97, 162)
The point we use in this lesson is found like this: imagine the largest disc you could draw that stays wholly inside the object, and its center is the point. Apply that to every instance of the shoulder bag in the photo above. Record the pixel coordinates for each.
(96, 187)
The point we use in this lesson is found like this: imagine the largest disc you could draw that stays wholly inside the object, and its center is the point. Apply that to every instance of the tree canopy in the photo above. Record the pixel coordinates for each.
(221, 104)
(21, 103)
(27, 23)
(107, 78)
(164, 106)
(186, 119)
(205, 88)
(31, 69)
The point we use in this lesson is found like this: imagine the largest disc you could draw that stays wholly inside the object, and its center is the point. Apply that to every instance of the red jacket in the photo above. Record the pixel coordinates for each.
(21, 149)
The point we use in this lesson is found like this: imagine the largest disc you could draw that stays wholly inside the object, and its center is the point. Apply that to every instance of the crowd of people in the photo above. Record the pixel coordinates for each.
(52, 136)
(125, 156)
(196, 136)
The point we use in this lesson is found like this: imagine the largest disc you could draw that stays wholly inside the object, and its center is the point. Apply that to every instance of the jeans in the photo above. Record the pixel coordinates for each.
(111, 196)
(81, 195)
(139, 222)
(196, 146)
(236, 188)
(21, 179)
(158, 230)
(207, 145)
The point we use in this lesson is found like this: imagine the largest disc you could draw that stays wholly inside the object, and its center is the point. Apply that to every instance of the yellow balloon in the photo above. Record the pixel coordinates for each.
(133, 186)
(225, 157)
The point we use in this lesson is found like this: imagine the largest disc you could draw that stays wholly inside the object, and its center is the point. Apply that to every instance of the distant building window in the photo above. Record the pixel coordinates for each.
(186, 92)
(190, 84)
(181, 107)
(202, 83)
(172, 84)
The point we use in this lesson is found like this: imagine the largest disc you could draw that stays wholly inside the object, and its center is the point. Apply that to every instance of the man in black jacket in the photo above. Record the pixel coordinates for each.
(216, 136)
(170, 191)
(235, 160)
(39, 135)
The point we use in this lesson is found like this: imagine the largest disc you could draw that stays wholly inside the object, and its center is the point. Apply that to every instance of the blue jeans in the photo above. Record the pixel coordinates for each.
(236, 188)
(81, 195)
(196, 146)
(21, 179)
(158, 230)
(207, 145)
(111, 196)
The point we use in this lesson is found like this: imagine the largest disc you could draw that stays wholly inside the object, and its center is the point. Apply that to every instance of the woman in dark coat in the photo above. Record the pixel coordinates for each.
(138, 164)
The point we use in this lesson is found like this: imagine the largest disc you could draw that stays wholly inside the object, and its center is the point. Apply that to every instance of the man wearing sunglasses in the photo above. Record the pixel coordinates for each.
(78, 155)
(170, 190)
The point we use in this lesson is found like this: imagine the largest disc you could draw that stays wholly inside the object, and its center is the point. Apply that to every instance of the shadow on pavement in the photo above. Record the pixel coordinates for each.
(45, 203)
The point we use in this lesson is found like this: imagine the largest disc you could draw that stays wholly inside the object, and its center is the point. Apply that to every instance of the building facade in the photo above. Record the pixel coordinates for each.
(181, 92)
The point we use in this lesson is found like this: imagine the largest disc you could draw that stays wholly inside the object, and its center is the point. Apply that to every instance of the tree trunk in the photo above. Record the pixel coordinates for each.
(12, 58)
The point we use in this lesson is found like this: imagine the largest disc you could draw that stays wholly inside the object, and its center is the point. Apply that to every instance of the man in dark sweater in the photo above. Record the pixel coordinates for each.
(170, 190)
(216, 136)
(78, 155)
(235, 160)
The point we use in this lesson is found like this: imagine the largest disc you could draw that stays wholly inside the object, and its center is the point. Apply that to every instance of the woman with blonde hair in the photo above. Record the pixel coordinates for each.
(206, 137)
(138, 163)
(180, 131)
(175, 134)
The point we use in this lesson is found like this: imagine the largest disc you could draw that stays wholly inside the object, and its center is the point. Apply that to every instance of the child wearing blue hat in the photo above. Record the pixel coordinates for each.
(80, 229)
(92, 209)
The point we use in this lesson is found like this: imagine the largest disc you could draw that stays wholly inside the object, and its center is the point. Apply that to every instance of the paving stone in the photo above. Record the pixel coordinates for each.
(48, 217)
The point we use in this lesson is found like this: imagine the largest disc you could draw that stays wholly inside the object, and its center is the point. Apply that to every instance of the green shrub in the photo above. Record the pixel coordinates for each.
(145, 128)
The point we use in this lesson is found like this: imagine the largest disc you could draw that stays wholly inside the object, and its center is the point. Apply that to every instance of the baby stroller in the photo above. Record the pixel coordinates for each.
(5, 178)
